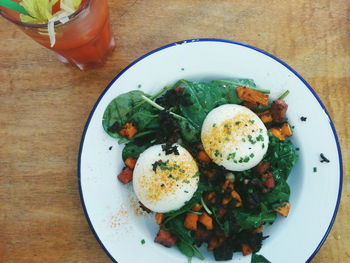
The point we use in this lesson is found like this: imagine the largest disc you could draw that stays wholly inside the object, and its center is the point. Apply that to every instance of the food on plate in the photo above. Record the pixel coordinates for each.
(234, 136)
(165, 182)
(212, 160)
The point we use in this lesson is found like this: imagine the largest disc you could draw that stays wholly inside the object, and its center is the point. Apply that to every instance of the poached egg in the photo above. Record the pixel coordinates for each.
(234, 137)
(164, 182)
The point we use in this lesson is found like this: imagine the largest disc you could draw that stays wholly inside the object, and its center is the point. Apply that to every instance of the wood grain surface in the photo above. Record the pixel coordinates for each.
(44, 105)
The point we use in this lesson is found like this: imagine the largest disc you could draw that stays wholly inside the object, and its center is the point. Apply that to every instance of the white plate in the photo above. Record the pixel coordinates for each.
(110, 206)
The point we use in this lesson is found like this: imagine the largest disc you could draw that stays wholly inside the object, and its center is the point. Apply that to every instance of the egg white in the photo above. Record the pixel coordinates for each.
(234, 136)
(165, 182)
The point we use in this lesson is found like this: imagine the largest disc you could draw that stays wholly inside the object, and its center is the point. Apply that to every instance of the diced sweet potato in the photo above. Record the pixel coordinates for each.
(226, 200)
(202, 156)
(130, 162)
(128, 130)
(210, 198)
(125, 176)
(227, 185)
(196, 207)
(165, 238)
(191, 220)
(284, 209)
(202, 234)
(286, 130)
(268, 180)
(215, 242)
(246, 250)
(206, 220)
(237, 197)
(259, 229)
(209, 173)
(265, 116)
(277, 133)
(222, 212)
(159, 218)
(252, 96)
(262, 167)
(278, 110)
(249, 105)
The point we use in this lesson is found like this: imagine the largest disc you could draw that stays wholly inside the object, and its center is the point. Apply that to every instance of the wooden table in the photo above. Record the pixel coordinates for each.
(44, 105)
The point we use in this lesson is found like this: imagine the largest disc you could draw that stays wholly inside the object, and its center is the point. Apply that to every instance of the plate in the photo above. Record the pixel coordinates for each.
(112, 209)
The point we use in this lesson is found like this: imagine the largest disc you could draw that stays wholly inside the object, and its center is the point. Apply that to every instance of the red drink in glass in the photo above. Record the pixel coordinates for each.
(84, 41)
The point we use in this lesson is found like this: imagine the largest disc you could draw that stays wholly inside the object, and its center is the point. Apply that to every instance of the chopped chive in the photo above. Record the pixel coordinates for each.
(143, 241)
(246, 159)
(265, 91)
(315, 169)
(284, 95)
(260, 138)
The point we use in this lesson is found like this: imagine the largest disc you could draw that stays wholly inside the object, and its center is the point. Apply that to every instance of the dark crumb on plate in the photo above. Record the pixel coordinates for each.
(324, 159)
(143, 242)
(315, 169)
(302, 118)
(168, 148)
(110, 147)
(144, 208)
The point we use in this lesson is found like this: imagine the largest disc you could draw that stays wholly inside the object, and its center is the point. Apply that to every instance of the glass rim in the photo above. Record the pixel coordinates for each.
(24, 24)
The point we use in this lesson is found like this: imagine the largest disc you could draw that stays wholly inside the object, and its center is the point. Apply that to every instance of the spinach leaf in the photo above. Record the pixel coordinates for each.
(247, 220)
(259, 259)
(188, 132)
(133, 150)
(185, 248)
(205, 96)
(280, 193)
(186, 243)
(249, 83)
(189, 204)
(282, 157)
(129, 107)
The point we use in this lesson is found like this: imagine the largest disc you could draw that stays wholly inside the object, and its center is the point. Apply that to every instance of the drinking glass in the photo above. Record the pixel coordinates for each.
(84, 41)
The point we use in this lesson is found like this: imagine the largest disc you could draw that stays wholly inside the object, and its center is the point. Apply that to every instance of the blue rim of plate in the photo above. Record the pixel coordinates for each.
(229, 42)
